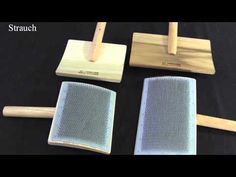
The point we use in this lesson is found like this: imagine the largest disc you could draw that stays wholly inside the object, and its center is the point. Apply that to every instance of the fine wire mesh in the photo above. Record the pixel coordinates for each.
(84, 117)
(167, 120)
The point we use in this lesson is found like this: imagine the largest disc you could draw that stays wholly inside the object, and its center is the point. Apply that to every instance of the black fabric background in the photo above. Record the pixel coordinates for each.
(28, 61)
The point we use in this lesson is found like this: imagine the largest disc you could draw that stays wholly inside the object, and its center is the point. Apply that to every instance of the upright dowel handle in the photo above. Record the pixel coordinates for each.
(214, 122)
(28, 112)
(172, 38)
(97, 40)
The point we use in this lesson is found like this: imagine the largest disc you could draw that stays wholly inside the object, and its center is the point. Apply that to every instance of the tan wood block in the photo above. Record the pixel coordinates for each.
(76, 61)
(151, 51)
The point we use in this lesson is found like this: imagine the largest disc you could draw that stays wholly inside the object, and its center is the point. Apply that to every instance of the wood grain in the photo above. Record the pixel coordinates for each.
(108, 67)
(215, 122)
(151, 51)
(28, 112)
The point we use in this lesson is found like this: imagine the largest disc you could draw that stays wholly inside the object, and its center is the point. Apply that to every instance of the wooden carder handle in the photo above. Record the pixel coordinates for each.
(172, 38)
(48, 112)
(97, 40)
(28, 112)
(215, 122)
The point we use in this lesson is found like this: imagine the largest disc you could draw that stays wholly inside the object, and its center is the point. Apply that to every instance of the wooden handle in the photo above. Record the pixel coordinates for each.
(48, 112)
(172, 38)
(214, 122)
(32, 112)
(97, 40)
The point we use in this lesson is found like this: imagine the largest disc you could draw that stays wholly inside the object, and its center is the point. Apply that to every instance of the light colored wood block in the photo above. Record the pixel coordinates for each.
(80, 146)
(151, 51)
(108, 67)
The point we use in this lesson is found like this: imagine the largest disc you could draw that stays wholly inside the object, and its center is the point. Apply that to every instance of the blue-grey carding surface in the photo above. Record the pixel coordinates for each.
(167, 120)
(84, 117)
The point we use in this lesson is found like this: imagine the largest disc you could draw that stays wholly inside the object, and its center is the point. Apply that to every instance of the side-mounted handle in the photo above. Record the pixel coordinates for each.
(28, 112)
(172, 38)
(215, 122)
(97, 41)
(48, 112)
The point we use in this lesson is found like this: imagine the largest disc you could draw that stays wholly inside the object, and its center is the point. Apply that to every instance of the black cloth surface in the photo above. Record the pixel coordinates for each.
(28, 61)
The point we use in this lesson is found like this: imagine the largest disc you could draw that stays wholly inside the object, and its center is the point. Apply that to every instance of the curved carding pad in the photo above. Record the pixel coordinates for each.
(84, 117)
(167, 120)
